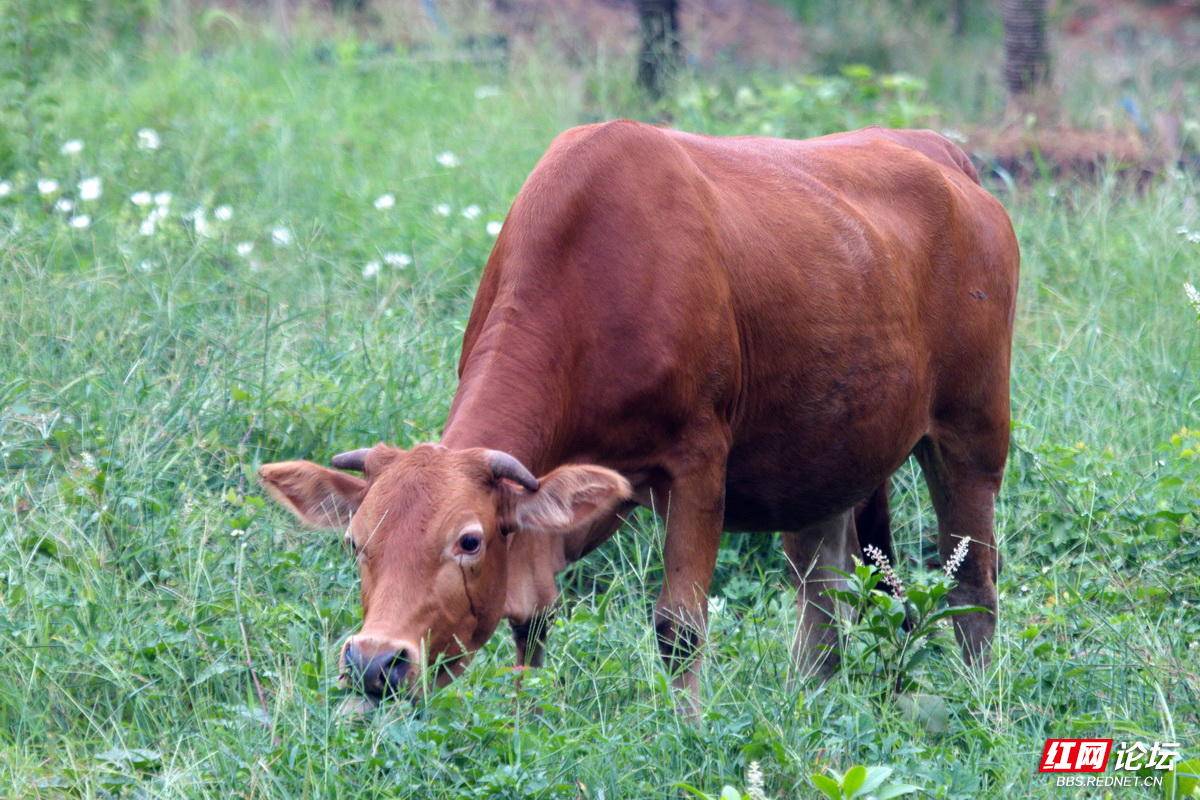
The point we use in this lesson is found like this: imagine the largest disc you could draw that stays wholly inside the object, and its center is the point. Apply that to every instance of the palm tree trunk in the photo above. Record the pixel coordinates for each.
(1026, 59)
(958, 17)
(661, 52)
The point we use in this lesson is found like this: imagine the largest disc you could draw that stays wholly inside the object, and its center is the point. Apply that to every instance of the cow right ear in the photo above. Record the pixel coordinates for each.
(319, 497)
(569, 498)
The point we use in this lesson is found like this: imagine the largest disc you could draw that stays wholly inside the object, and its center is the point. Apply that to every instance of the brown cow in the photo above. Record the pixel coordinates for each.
(747, 334)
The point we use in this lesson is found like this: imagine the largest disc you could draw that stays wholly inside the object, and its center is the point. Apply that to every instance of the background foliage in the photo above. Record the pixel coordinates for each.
(146, 587)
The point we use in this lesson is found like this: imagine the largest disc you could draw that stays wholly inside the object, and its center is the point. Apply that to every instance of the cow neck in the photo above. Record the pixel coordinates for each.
(509, 399)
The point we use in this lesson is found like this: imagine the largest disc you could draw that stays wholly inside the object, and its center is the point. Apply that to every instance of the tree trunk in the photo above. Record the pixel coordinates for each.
(1026, 60)
(958, 17)
(661, 53)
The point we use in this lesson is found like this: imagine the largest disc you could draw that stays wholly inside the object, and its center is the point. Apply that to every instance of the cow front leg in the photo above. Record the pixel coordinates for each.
(695, 517)
(532, 590)
(530, 638)
(813, 554)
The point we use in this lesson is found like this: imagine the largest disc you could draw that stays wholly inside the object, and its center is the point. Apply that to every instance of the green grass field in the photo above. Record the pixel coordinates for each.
(165, 632)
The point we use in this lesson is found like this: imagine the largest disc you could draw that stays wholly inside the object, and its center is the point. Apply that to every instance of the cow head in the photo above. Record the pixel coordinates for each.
(430, 529)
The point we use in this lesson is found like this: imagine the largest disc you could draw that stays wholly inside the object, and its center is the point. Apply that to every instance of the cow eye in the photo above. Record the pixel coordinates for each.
(469, 542)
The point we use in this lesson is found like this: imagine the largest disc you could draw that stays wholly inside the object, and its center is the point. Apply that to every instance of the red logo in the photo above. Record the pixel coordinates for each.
(1075, 755)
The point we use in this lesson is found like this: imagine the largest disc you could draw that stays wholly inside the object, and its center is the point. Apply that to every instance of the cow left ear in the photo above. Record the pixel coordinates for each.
(319, 497)
(569, 498)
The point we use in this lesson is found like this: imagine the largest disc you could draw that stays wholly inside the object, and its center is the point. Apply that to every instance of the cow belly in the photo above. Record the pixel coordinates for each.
(759, 499)
(777, 488)
(802, 462)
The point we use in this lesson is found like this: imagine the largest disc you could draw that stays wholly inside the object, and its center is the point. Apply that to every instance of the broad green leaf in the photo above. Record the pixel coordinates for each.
(896, 790)
(875, 776)
(954, 611)
(827, 786)
(855, 777)
(1184, 782)
(930, 710)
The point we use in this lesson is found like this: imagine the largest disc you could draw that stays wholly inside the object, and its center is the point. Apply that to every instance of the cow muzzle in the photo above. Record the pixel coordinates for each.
(379, 667)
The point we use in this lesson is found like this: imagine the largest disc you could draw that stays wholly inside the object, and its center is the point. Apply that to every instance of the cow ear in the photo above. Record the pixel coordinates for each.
(319, 497)
(568, 498)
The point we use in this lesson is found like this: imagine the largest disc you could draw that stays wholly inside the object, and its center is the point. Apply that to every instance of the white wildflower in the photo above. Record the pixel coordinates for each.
(5, 188)
(80, 222)
(1189, 235)
(64, 205)
(199, 219)
(223, 213)
(281, 236)
(90, 188)
(47, 186)
(71, 147)
(146, 265)
(484, 92)
(472, 212)
(448, 159)
(148, 139)
(957, 557)
(400, 260)
(371, 269)
(1193, 296)
(150, 223)
(385, 201)
(493, 227)
(442, 209)
(755, 787)
(162, 199)
(244, 248)
(890, 578)
(141, 199)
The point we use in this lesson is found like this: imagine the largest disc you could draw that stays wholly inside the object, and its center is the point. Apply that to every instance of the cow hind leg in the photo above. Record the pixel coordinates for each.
(873, 522)
(813, 553)
(963, 474)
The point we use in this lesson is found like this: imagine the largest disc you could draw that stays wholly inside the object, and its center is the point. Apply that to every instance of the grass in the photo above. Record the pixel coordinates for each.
(142, 379)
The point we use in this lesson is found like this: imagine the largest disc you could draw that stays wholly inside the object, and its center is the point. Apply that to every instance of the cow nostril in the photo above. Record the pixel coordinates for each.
(397, 669)
(379, 674)
(352, 660)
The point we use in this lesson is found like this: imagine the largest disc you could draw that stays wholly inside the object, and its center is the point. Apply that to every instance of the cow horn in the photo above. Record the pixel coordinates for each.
(505, 466)
(355, 459)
